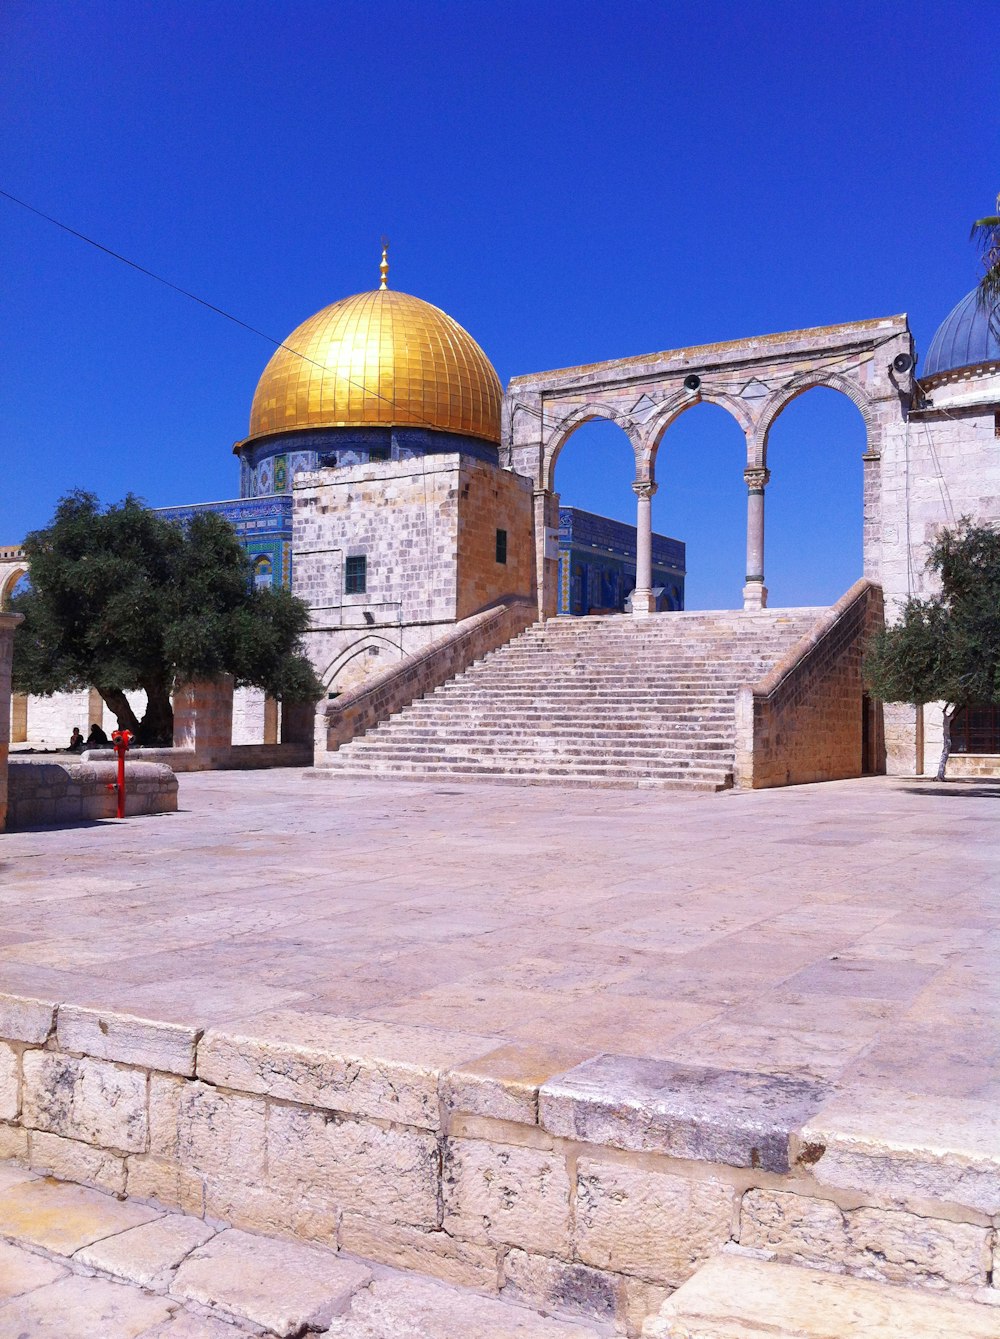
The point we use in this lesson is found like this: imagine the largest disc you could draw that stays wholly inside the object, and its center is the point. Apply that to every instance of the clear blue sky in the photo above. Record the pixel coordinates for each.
(572, 182)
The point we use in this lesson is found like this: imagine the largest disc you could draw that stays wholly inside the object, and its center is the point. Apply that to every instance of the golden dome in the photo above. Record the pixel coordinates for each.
(379, 359)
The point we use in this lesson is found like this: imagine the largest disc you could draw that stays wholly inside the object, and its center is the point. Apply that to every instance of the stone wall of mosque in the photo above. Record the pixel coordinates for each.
(420, 538)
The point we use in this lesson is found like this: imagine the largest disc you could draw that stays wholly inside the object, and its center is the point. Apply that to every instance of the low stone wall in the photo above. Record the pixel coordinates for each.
(971, 765)
(354, 712)
(598, 1186)
(803, 721)
(235, 758)
(73, 792)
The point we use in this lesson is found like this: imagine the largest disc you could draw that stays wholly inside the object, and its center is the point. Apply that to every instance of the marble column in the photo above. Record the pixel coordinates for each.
(755, 592)
(642, 596)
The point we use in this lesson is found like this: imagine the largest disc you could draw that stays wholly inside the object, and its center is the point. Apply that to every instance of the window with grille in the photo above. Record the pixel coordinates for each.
(501, 546)
(976, 729)
(356, 576)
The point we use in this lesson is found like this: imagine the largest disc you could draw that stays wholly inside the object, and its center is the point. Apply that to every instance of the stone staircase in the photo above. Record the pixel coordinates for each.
(608, 701)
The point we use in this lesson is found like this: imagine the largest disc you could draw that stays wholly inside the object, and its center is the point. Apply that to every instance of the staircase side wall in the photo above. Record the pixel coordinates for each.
(351, 714)
(803, 721)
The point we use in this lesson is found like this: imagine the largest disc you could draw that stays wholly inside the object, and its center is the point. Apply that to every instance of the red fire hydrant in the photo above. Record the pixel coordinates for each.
(121, 741)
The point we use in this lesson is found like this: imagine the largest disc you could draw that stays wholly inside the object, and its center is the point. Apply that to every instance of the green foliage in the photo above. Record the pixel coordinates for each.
(986, 232)
(122, 598)
(946, 648)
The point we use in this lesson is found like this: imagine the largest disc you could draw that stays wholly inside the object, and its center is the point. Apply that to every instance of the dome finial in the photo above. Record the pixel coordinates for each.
(383, 269)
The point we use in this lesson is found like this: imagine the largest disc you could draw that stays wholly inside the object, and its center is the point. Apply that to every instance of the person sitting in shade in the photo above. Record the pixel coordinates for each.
(76, 740)
(97, 739)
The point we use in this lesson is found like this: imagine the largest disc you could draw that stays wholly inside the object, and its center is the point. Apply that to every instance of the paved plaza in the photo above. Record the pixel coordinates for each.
(845, 932)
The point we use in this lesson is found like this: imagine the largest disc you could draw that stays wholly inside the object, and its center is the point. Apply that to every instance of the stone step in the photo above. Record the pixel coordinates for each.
(629, 733)
(536, 769)
(495, 752)
(78, 1263)
(732, 1297)
(527, 776)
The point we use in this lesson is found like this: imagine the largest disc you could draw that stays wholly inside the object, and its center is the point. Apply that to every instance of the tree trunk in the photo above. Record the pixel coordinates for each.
(949, 712)
(118, 705)
(156, 729)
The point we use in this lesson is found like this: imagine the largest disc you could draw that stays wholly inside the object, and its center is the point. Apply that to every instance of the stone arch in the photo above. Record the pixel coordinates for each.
(10, 575)
(808, 381)
(679, 403)
(564, 429)
(346, 668)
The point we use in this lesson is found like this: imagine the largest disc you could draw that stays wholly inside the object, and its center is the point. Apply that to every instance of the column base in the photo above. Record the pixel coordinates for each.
(755, 595)
(643, 603)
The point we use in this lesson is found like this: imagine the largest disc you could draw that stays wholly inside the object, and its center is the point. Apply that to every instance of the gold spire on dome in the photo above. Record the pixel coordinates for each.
(379, 359)
(383, 269)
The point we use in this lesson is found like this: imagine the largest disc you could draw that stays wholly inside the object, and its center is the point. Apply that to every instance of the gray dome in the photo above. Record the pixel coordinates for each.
(968, 336)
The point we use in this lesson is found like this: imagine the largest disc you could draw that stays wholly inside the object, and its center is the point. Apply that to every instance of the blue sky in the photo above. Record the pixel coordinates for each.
(571, 182)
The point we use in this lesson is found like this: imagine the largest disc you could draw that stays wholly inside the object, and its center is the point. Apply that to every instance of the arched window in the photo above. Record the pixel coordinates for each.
(263, 572)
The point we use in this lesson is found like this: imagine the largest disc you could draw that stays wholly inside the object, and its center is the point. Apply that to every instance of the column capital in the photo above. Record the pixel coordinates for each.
(644, 488)
(757, 479)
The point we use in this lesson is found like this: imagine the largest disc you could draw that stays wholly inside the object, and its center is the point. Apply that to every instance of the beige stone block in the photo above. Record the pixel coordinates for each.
(61, 1218)
(879, 1243)
(83, 1306)
(221, 1133)
(90, 1100)
(134, 1041)
(147, 1255)
(165, 1094)
(569, 1289)
(655, 1225)
(358, 1067)
(158, 1179)
(307, 1212)
(506, 1195)
(22, 1271)
(25, 1019)
(11, 1175)
(504, 1084)
(385, 1174)
(899, 1145)
(734, 1298)
(10, 1094)
(280, 1285)
(642, 1300)
(14, 1142)
(432, 1252)
(72, 1161)
(415, 1309)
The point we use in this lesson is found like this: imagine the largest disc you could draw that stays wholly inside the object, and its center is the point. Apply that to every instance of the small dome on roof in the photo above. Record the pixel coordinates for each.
(968, 337)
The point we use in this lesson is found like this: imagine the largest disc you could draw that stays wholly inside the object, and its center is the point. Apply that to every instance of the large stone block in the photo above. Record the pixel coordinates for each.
(882, 1243)
(354, 1066)
(10, 1087)
(688, 1111)
(504, 1084)
(507, 1195)
(72, 1161)
(898, 1146)
(60, 1217)
(134, 1041)
(238, 1275)
(89, 1100)
(576, 1290)
(221, 1133)
(385, 1174)
(433, 1252)
(148, 1254)
(754, 1299)
(654, 1225)
(25, 1019)
(85, 1306)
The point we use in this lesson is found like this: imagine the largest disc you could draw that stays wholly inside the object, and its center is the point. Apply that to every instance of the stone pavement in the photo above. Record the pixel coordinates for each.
(78, 1264)
(842, 932)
